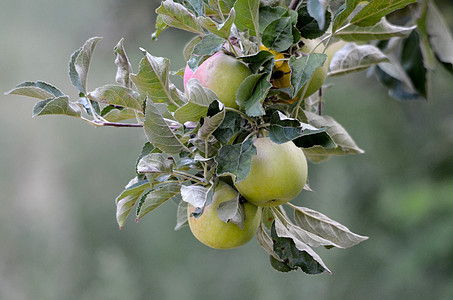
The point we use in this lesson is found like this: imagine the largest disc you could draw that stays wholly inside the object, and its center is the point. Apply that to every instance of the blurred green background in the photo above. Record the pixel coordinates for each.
(59, 178)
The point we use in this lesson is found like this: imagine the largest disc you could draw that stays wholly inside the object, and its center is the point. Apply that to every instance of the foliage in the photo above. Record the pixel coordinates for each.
(194, 140)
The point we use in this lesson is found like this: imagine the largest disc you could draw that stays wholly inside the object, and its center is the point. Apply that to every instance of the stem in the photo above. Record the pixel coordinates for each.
(190, 177)
(293, 4)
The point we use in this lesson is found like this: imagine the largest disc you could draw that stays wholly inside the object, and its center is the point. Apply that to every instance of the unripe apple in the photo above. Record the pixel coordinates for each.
(213, 232)
(332, 49)
(221, 73)
(319, 75)
(278, 173)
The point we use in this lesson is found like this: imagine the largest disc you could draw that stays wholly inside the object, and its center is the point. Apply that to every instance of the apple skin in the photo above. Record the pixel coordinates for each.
(278, 173)
(223, 74)
(334, 48)
(213, 232)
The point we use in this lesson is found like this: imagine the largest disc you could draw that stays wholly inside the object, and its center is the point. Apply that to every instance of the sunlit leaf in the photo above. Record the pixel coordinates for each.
(355, 58)
(124, 66)
(181, 215)
(117, 95)
(326, 228)
(80, 63)
(155, 163)
(195, 195)
(176, 15)
(208, 45)
(247, 15)
(222, 29)
(35, 89)
(302, 69)
(56, 106)
(252, 92)
(127, 199)
(114, 113)
(343, 13)
(376, 9)
(232, 211)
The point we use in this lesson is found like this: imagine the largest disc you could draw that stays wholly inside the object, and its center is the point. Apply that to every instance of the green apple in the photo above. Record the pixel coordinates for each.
(278, 173)
(213, 232)
(334, 48)
(221, 73)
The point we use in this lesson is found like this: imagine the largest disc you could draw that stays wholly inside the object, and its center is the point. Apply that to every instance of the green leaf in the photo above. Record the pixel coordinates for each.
(155, 163)
(197, 6)
(208, 45)
(268, 14)
(35, 89)
(247, 15)
(117, 95)
(56, 106)
(302, 69)
(153, 80)
(343, 13)
(146, 149)
(114, 113)
(252, 92)
(91, 107)
(210, 124)
(126, 200)
(223, 29)
(412, 62)
(176, 15)
(189, 47)
(280, 266)
(232, 211)
(376, 9)
(265, 241)
(278, 35)
(160, 27)
(181, 215)
(154, 198)
(283, 129)
(80, 63)
(345, 143)
(199, 100)
(440, 37)
(230, 127)
(124, 67)
(321, 225)
(236, 160)
(355, 58)
(382, 30)
(294, 253)
(158, 131)
(309, 26)
(393, 76)
(256, 62)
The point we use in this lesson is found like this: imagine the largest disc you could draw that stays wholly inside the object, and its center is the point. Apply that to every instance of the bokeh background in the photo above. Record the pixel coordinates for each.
(59, 178)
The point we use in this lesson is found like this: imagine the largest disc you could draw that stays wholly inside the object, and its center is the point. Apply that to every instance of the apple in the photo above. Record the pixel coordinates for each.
(223, 74)
(213, 232)
(319, 75)
(334, 48)
(278, 173)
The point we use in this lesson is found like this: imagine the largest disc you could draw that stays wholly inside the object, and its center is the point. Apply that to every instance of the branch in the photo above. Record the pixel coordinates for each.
(293, 4)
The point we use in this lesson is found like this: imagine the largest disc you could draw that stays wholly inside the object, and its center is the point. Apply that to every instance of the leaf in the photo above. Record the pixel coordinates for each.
(280, 266)
(199, 100)
(195, 195)
(268, 14)
(355, 58)
(317, 10)
(154, 198)
(114, 113)
(303, 68)
(152, 79)
(158, 131)
(210, 124)
(412, 62)
(230, 127)
(117, 95)
(376, 9)
(223, 29)
(126, 200)
(263, 59)
(343, 13)
(198, 6)
(309, 26)
(124, 67)
(247, 15)
(160, 27)
(345, 143)
(382, 30)
(265, 242)
(252, 92)
(236, 160)
(56, 106)
(146, 149)
(188, 48)
(440, 37)
(155, 163)
(294, 253)
(278, 35)
(80, 63)
(393, 76)
(181, 215)
(208, 45)
(326, 228)
(176, 15)
(232, 211)
(91, 107)
(35, 89)
(283, 129)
